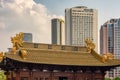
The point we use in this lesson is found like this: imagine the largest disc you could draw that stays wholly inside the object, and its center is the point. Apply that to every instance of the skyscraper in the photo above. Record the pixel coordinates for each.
(27, 37)
(103, 39)
(58, 31)
(110, 42)
(80, 24)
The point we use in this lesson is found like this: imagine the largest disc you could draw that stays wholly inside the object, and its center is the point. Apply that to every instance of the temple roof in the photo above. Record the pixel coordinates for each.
(55, 56)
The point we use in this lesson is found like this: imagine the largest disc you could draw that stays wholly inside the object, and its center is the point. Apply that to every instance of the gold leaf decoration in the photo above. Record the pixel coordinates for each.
(23, 54)
(107, 56)
(104, 58)
(17, 40)
(89, 45)
(110, 56)
(1, 56)
(13, 50)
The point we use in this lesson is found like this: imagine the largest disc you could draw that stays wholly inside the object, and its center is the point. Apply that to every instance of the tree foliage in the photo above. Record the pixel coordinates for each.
(107, 79)
(117, 78)
(2, 75)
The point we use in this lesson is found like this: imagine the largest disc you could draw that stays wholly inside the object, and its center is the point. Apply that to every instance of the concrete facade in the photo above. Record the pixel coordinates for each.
(58, 31)
(81, 23)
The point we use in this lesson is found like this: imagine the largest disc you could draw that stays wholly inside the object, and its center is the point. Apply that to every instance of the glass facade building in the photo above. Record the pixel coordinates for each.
(110, 42)
(27, 37)
(80, 24)
(58, 31)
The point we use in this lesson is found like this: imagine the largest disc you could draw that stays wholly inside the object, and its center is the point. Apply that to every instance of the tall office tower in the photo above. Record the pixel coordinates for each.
(58, 31)
(110, 42)
(27, 37)
(81, 23)
(103, 39)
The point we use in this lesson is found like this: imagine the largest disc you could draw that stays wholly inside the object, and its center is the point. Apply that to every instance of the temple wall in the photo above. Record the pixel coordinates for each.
(40, 75)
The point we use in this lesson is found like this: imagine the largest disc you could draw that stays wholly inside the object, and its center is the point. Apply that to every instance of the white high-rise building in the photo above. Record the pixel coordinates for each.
(58, 31)
(81, 23)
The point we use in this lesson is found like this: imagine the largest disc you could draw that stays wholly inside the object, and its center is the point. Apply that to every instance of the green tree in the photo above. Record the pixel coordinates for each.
(117, 78)
(107, 79)
(2, 75)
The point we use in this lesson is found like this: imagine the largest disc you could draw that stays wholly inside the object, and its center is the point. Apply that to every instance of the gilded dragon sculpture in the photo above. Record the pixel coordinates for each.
(17, 42)
(108, 56)
(89, 45)
(1, 56)
(23, 54)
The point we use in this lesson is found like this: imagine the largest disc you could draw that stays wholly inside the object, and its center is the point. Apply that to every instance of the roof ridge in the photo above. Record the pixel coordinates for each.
(89, 59)
(53, 50)
(97, 56)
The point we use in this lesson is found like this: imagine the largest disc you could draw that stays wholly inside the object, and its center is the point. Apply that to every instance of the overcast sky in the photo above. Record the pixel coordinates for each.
(33, 16)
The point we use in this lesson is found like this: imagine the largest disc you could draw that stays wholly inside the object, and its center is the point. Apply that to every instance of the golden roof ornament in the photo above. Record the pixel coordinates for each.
(1, 56)
(13, 50)
(108, 56)
(104, 58)
(17, 41)
(89, 45)
(23, 54)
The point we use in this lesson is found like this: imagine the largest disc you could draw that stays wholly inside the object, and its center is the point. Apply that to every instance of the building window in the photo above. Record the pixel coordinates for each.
(35, 45)
(75, 48)
(24, 78)
(62, 47)
(35, 78)
(41, 78)
(46, 78)
(98, 79)
(63, 78)
(49, 46)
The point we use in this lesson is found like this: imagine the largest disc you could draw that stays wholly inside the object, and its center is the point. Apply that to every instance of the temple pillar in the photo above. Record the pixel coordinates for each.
(74, 76)
(31, 75)
(7, 75)
(17, 75)
(103, 75)
(51, 76)
(93, 76)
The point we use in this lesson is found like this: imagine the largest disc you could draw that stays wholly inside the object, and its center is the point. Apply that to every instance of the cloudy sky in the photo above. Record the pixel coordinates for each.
(33, 16)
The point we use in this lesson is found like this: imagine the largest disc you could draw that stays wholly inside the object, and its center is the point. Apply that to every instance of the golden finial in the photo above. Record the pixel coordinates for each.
(13, 50)
(23, 54)
(61, 20)
(1, 56)
(110, 56)
(17, 41)
(106, 57)
(89, 45)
